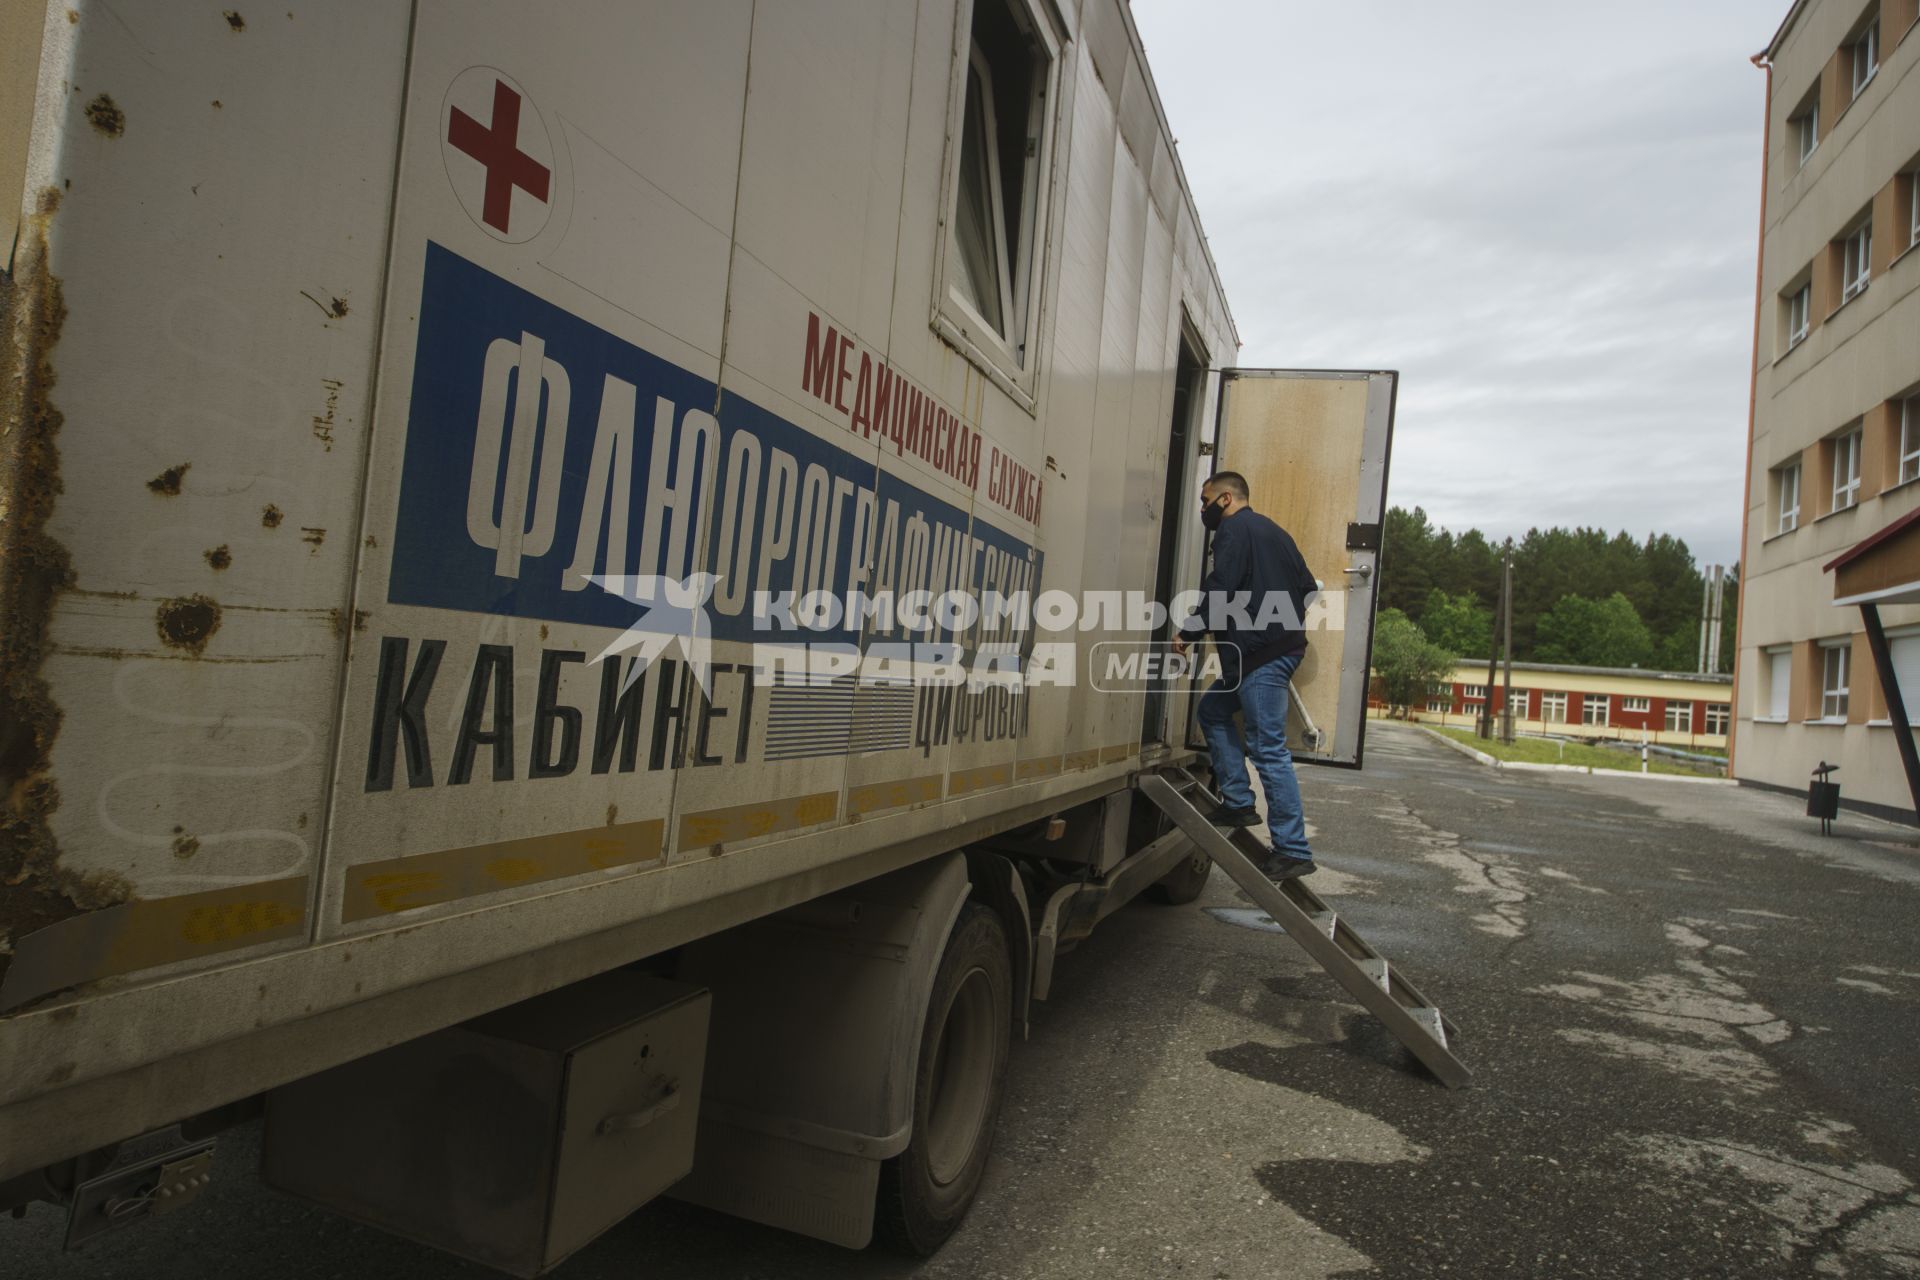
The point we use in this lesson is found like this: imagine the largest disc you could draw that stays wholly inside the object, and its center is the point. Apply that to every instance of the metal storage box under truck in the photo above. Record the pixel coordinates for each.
(534, 542)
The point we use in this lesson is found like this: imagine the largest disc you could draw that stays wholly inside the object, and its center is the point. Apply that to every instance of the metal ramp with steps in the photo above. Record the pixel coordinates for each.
(1321, 933)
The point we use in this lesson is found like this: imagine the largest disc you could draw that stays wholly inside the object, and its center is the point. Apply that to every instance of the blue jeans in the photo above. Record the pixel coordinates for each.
(1261, 701)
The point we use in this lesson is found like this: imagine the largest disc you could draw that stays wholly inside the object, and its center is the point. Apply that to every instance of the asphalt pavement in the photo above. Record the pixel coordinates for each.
(1692, 1022)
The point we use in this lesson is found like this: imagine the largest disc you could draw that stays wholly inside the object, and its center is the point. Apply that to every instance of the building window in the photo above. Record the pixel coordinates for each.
(1913, 209)
(1856, 261)
(1641, 705)
(1475, 693)
(1806, 129)
(1553, 708)
(999, 191)
(1787, 509)
(1719, 717)
(1439, 707)
(1441, 690)
(1799, 315)
(1866, 55)
(1679, 717)
(1836, 657)
(1593, 709)
(1910, 438)
(1904, 648)
(1779, 685)
(1517, 703)
(1846, 469)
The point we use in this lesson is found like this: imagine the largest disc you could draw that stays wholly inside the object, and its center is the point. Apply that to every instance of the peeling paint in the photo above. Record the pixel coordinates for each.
(219, 557)
(271, 516)
(34, 569)
(234, 20)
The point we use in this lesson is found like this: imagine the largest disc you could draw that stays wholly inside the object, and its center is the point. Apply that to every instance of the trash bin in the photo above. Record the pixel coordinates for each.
(1823, 797)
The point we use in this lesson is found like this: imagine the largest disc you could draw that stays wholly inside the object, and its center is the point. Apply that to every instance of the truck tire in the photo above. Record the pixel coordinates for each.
(1184, 883)
(926, 1189)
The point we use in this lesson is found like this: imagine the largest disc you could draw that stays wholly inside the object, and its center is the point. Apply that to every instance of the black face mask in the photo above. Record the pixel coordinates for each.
(1213, 513)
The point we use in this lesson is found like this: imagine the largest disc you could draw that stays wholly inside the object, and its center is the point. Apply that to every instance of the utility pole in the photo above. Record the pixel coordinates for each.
(1506, 613)
(1485, 727)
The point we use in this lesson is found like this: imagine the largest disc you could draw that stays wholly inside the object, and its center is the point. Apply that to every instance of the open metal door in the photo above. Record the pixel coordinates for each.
(1313, 446)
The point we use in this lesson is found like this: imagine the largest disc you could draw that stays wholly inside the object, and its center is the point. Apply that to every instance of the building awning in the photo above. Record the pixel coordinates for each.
(1882, 569)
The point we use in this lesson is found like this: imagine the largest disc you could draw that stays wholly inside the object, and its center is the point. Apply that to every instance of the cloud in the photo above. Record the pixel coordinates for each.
(1543, 216)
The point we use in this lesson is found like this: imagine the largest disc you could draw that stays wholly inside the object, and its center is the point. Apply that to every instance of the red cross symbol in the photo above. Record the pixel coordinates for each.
(497, 146)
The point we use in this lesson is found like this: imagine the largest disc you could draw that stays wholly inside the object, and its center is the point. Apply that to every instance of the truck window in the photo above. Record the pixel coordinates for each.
(997, 191)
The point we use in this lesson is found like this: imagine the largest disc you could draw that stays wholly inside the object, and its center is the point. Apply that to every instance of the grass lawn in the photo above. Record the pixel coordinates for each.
(1542, 751)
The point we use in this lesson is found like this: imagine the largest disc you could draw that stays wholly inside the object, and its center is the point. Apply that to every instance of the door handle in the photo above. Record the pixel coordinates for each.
(1364, 570)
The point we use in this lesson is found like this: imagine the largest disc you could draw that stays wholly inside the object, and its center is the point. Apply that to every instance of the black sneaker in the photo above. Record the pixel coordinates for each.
(1227, 816)
(1281, 869)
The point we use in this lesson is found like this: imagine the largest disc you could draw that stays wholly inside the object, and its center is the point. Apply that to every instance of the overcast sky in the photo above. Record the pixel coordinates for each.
(1543, 214)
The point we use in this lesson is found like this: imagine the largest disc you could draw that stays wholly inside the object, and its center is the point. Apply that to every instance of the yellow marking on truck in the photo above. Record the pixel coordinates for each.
(1078, 760)
(892, 795)
(747, 821)
(150, 932)
(964, 781)
(428, 879)
(1121, 751)
(1036, 767)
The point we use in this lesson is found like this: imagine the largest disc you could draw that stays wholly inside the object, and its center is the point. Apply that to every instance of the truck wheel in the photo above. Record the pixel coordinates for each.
(1183, 884)
(926, 1189)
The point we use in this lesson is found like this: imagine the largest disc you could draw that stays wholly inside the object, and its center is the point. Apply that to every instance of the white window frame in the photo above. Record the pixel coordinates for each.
(1836, 662)
(1896, 636)
(1636, 706)
(1910, 438)
(1441, 689)
(1856, 261)
(1587, 702)
(1808, 125)
(1799, 315)
(1681, 722)
(1722, 713)
(1553, 708)
(1012, 364)
(1517, 703)
(1475, 693)
(1436, 707)
(1913, 208)
(1779, 659)
(1788, 514)
(1865, 51)
(1846, 470)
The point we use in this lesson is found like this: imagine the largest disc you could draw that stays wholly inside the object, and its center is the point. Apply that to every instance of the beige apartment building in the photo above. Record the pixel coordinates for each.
(1834, 457)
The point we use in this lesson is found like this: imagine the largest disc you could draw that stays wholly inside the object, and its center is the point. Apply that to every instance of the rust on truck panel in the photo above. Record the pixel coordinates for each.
(167, 483)
(106, 116)
(271, 516)
(220, 557)
(151, 932)
(187, 623)
(427, 879)
(35, 890)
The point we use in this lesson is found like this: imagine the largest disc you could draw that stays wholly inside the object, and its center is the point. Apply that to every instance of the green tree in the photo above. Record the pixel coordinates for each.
(1594, 633)
(1458, 624)
(1405, 660)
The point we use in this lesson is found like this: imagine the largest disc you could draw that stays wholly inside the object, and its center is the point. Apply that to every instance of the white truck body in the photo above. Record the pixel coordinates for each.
(346, 341)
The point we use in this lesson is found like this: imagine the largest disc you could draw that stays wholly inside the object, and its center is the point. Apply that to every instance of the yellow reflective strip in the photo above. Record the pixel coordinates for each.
(448, 875)
(892, 795)
(151, 932)
(746, 821)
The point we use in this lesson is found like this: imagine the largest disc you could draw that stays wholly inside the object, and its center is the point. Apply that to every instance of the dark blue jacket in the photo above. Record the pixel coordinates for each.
(1252, 558)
